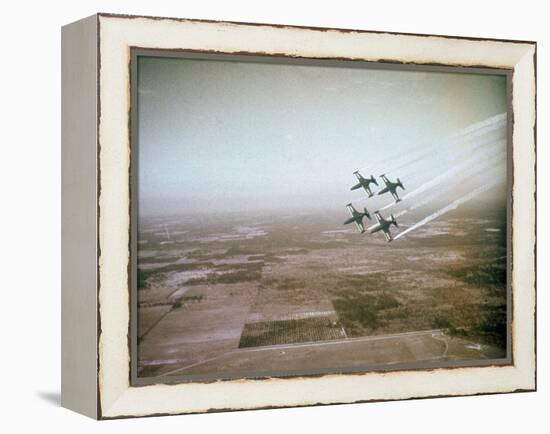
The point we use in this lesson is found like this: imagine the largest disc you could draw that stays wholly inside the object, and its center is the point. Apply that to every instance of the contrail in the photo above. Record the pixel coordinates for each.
(421, 203)
(466, 169)
(465, 165)
(453, 153)
(489, 123)
(441, 192)
(434, 182)
(483, 161)
(489, 176)
(452, 206)
(464, 149)
(492, 172)
(438, 193)
(474, 130)
(415, 206)
(480, 147)
(412, 207)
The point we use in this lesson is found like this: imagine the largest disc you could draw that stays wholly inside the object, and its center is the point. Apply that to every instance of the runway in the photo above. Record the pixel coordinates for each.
(368, 352)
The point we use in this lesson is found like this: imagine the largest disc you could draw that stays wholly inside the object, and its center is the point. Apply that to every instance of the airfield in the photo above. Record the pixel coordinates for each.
(257, 293)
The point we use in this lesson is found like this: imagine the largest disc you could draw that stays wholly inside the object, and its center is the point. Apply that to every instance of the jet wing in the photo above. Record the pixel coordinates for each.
(395, 196)
(368, 190)
(385, 179)
(378, 216)
(383, 191)
(388, 236)
(360, 226)
(348, 221)
(350, 209)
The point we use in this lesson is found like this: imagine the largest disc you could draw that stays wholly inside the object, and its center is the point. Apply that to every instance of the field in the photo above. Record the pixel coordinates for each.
(256, 293)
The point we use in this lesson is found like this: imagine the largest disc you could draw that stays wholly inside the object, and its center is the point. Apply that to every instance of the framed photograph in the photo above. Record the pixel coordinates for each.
(261, 216)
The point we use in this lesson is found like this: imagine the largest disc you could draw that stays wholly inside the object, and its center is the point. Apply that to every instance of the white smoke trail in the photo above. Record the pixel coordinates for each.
(476, 162)
(449, 155)
(490, 174)
(474, 130)
(466, 169)
(483, 153)
(452, 206)
(493, 122)
(419, 204)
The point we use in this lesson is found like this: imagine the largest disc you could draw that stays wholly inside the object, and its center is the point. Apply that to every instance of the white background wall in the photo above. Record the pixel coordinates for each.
(30, 216)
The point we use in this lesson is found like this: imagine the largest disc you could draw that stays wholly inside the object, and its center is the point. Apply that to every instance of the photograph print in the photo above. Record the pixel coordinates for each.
(295, 217)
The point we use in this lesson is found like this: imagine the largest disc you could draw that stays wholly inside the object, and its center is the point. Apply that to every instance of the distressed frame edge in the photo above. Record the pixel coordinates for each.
(528, 388)
(306, 27)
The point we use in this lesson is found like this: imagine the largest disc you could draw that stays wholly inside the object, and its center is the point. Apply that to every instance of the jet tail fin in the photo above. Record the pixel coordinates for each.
(400, 184)
(367, 214)
(394, 222)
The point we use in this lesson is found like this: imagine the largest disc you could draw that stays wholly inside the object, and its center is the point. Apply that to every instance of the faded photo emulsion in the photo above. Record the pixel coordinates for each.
(296, 218)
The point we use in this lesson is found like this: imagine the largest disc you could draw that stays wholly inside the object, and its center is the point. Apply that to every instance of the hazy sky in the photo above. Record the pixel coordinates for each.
(217, 135)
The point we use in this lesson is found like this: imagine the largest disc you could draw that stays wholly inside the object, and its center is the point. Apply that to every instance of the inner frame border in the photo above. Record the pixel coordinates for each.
(254, 57)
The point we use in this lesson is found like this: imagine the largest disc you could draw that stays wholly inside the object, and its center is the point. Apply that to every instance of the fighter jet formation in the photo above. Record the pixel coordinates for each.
(477, 158)
(382, 224)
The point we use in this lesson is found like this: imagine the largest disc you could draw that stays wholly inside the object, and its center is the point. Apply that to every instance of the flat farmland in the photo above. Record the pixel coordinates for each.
(253, 294)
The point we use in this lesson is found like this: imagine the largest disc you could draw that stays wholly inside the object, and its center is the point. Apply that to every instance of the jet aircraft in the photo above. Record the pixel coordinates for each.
(391, 187)
(384, 225)
(357, 217)
(365, 183)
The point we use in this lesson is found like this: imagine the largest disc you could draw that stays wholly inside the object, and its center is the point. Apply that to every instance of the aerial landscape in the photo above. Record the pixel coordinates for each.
(272, 260)
(216, 290)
